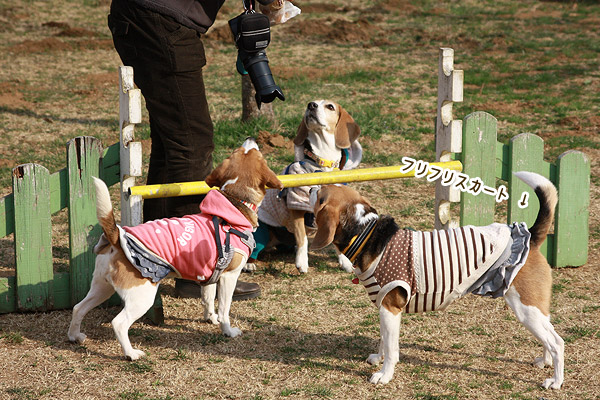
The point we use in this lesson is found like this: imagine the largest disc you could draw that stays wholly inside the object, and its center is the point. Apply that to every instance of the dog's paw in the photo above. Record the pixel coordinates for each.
(135, 354)
(541, 362)
(249, 267)
(374, 359)
(552, 383)
(345, 264)
(380, 377)
(212, 319)
(303, 269)
(302, 263)
(77, 338)
(232, 332)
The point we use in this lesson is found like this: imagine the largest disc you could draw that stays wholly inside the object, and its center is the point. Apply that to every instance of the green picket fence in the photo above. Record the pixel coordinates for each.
(27, 213)
(484, 157)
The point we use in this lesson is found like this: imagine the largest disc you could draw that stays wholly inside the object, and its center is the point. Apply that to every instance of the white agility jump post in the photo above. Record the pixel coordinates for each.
(130, 113)
(448, 133)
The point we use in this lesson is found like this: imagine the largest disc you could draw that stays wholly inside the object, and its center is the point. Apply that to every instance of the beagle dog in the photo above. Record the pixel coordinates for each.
(210, 247)
(326, 139)
(413, 272)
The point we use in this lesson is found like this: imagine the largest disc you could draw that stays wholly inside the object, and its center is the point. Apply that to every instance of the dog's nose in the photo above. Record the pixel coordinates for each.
(312, 105)
(249, 144)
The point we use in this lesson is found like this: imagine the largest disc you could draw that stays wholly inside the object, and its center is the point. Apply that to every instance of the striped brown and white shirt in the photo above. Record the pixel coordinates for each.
(436, 268)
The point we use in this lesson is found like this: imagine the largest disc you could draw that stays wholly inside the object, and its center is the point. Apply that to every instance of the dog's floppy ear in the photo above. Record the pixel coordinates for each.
(346, 130)
(327, 221)
(271, 179)
(301, 133)
(215, 178)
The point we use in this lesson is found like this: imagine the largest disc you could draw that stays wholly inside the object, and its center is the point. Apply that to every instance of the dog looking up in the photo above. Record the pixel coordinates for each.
(133, 260)
(326, 139)
(408, 271)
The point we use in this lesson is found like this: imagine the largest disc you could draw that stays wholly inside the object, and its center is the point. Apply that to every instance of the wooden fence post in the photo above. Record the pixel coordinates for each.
(130, 113)
(479, 160)
(83, 162)
(448, 133)
(130, 105)
(33, 238)
(571, 230)
(526, 153)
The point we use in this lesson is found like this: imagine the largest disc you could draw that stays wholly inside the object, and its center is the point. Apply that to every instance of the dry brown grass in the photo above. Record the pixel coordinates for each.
(306, 336)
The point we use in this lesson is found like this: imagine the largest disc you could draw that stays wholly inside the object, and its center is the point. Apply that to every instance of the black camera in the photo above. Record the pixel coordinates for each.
(252, 34)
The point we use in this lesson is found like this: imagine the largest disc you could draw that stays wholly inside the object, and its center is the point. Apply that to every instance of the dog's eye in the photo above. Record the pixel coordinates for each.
(330, 107)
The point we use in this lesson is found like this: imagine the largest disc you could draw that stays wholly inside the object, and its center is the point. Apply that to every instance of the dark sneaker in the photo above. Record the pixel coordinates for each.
(245, 291)
(187, 289)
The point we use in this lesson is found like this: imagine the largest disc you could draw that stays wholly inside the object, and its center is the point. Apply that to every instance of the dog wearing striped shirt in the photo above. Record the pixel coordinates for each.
(410, 271)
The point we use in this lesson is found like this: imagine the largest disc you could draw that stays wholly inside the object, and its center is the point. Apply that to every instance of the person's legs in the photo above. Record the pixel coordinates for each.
(167, 59)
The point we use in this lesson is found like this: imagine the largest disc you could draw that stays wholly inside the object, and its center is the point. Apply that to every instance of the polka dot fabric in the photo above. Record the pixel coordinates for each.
(397, 261)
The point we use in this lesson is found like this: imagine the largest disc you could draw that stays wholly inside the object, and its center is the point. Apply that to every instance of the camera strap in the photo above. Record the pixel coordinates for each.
(249, 6)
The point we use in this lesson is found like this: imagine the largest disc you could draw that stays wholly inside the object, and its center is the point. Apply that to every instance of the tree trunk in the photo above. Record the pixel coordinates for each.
(249, 109)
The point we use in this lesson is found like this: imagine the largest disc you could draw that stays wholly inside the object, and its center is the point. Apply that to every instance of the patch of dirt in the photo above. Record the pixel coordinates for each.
(220, 33)
(267, 142)
(67, 31)
(10, 95)
(9, 15)
(93, 44)
(573, 122)
(575, 126)
(335, 30)
(591, 20)
(402, 7)
(93, 86)
(39, 46)
(315, 8)
(102, 80)
(594, 123)
(51, 44)
(7, 163)
(56, 24)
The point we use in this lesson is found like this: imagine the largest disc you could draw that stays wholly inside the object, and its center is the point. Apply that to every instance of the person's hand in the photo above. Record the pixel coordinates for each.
(279, 11)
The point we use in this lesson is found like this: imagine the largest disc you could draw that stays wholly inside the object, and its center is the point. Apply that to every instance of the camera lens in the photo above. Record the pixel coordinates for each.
(251, 33)
(257, 65)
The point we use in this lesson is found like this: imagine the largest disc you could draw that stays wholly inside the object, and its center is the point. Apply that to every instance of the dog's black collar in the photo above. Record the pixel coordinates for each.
(358, 242)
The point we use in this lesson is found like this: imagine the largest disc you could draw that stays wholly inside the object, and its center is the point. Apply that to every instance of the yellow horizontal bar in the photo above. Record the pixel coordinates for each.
(317, 178)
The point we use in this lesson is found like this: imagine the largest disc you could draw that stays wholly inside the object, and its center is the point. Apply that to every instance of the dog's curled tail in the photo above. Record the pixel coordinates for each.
(546, 193)
(104, 212)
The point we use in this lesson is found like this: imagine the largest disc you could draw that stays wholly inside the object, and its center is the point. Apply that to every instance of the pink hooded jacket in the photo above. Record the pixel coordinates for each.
(188, 243)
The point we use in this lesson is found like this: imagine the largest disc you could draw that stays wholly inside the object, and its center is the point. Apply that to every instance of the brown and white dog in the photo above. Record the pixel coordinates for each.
(326, 139)
(242, 179)
(410, 271)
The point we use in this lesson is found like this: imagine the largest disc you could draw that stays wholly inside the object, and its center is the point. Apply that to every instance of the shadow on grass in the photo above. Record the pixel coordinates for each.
(265, 341)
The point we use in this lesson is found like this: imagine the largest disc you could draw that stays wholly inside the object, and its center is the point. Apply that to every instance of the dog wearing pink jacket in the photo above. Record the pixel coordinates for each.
(187, 245)
(242, 179)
